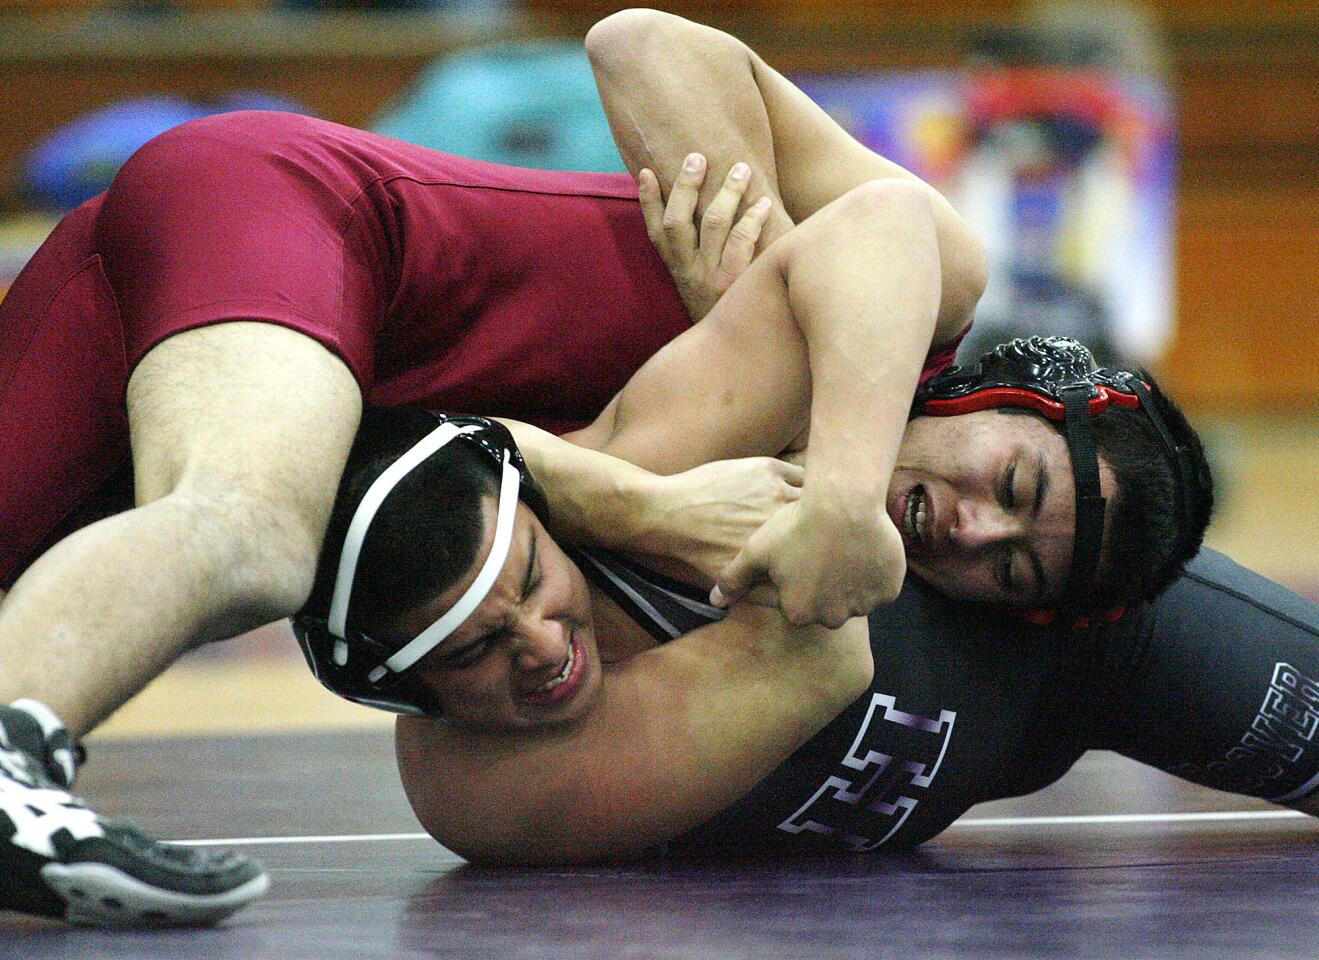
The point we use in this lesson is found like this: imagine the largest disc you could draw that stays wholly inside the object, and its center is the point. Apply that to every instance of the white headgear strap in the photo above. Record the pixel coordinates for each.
(435, 634)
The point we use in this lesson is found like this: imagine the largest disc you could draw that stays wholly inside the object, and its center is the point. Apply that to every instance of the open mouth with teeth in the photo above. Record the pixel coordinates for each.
(914, 517)
(565, 683)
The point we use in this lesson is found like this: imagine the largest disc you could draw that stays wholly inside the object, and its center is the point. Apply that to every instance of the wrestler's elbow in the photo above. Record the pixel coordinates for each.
(923, 218)
(921, 209)
(965, 268)
(641, 39)
(887, 196)
(620, 38)
(880, 209)
(629, 34)
(625, 29)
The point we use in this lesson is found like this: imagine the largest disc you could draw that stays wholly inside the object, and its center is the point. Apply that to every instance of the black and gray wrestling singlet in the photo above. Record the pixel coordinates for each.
(665, 608)
(1216, 682)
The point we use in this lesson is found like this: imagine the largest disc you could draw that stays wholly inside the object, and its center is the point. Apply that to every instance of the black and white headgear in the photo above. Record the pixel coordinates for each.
(364, 669)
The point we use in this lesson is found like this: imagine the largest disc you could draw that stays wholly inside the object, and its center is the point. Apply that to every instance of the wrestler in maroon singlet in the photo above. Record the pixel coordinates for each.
(440, 281)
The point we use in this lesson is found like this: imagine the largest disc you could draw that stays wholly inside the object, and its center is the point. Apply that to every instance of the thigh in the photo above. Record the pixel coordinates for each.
(243, 410)
(1218, 682)
(63, 432)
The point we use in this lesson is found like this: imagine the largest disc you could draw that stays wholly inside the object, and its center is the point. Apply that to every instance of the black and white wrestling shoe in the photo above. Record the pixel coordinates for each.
(59, 859)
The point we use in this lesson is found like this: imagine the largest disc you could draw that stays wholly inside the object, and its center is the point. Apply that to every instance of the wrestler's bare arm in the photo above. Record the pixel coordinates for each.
(681, 732)
(811, 333)
(740, 384)
(670, 86)
(700, 518)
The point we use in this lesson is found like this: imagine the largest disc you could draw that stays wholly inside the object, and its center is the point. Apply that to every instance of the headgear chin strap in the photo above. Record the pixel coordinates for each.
(1059, 379)
(1090, 503)
(368, 671)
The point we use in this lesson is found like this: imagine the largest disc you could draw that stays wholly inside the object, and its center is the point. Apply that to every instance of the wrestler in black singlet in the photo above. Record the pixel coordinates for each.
(1216, 682)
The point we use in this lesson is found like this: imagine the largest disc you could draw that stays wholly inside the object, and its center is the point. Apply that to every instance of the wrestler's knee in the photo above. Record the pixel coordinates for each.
(259, 556)
(872, 197)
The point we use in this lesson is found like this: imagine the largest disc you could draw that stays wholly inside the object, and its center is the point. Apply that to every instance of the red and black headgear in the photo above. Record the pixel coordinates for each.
(1058, 378)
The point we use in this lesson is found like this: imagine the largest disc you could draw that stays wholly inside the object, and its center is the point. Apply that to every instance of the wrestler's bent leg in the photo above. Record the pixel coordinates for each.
(239, 434)
(1217, 682)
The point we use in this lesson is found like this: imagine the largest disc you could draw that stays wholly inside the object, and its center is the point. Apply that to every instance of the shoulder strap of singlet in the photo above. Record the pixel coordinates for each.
(664, 607)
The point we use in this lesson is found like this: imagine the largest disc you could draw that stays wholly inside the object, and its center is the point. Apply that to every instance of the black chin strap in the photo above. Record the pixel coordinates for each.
(1090, 504)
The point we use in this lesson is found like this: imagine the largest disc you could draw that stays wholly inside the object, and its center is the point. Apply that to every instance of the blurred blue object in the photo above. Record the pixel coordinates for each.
(78, 161)
(527, 104)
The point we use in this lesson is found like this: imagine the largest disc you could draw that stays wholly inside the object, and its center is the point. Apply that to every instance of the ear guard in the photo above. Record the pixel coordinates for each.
(1059, 379)
(365, 670)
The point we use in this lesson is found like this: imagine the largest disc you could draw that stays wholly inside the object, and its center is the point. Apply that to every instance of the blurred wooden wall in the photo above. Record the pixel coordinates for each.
(1246, 75)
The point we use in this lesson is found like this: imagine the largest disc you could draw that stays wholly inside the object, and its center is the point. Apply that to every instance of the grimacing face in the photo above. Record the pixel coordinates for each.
(986, 505)
(527, 657)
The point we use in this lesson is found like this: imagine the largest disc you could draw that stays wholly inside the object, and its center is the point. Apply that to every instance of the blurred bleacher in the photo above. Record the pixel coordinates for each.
(1246, 75)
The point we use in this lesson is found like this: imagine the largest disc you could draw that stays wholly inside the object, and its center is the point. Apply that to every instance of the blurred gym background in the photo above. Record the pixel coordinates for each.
(1146, 176)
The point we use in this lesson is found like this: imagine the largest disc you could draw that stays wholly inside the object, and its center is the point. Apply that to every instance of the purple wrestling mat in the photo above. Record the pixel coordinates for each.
(1111, 862)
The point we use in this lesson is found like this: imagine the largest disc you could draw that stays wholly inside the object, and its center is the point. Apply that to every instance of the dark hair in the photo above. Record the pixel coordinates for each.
(427, 532)
(1148, 543)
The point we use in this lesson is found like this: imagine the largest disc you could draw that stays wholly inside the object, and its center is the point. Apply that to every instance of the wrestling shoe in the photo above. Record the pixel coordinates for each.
(59, 859)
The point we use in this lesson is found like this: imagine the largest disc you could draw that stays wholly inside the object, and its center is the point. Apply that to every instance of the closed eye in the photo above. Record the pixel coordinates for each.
(1005, 582)
(467, 655)
(1021, 589)
(1006, 495)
